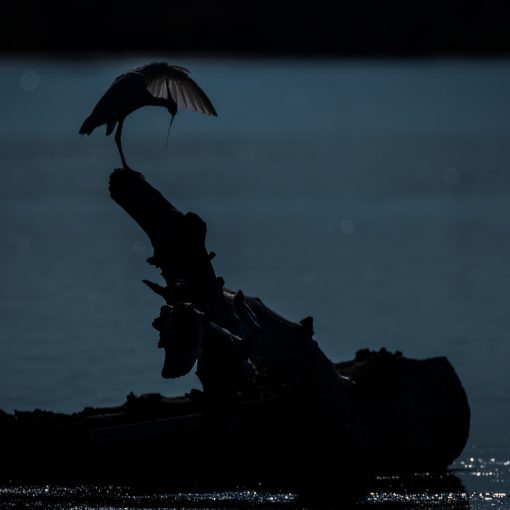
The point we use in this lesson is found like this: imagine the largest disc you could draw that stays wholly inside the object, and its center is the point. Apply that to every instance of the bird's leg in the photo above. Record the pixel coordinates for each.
(119, 144)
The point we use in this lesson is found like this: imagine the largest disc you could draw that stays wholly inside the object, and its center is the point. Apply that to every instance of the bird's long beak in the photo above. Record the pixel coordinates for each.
(168, 133)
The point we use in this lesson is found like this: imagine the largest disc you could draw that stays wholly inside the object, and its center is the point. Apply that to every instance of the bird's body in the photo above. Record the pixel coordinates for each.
(126, 94)
(156, 84)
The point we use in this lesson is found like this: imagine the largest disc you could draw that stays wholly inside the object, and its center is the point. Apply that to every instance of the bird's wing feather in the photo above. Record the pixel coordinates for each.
(184, 91)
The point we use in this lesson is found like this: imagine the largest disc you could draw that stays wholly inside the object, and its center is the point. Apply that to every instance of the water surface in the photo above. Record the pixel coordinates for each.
(373, 195)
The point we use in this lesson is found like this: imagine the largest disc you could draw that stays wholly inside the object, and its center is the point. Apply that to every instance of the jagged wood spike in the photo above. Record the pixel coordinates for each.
(158, 289)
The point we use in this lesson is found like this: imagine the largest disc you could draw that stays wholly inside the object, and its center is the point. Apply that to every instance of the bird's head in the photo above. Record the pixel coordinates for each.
(171, 106)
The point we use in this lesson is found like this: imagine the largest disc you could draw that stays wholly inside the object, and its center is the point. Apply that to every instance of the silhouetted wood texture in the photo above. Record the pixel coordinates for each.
(284, 351)
(273, 406)
(242, 345)
(413, 416)
(179, 244)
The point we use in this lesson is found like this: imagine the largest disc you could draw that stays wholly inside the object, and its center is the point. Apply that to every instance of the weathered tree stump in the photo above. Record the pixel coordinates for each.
(241, 344)
(284, 351)
(273, 406)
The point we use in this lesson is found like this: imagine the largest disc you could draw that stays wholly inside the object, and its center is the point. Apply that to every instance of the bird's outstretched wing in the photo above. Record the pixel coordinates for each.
(162, 77)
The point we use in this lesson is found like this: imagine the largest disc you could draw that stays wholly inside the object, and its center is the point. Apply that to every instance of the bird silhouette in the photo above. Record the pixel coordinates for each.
(154, 84)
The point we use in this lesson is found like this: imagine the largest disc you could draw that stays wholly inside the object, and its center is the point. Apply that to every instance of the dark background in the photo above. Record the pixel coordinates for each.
(258, 28)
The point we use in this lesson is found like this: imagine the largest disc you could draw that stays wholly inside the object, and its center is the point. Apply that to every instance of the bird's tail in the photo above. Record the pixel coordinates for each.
(87, 127)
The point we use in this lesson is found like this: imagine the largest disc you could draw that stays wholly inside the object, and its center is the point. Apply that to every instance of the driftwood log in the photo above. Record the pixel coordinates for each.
(273, 406)
(242, 347)
(232, 337)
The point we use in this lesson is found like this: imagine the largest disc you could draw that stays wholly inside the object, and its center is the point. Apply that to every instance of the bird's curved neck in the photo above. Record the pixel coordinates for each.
(159, 101)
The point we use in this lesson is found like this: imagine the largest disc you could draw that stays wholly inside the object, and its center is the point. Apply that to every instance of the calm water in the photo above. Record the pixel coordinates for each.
(373, 195)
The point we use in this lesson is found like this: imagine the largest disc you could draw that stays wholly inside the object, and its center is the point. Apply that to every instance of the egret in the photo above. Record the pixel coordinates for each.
(154, 84)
